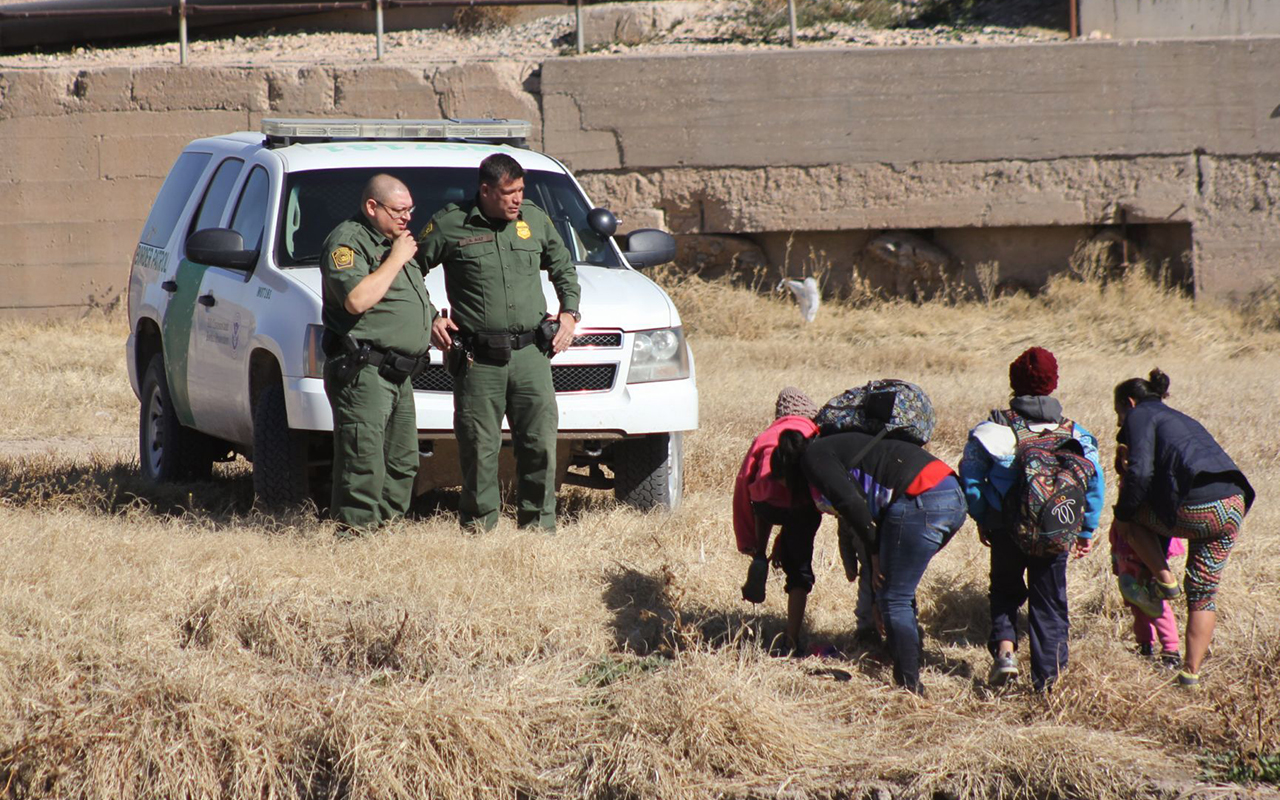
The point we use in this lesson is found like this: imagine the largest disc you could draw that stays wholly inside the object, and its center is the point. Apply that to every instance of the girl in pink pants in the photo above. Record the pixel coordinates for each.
(1124, 561)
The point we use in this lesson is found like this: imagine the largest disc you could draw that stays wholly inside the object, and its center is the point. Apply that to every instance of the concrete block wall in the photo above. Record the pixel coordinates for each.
(747, 149)
(1178, 19)
(84, 152)
(1079, 134)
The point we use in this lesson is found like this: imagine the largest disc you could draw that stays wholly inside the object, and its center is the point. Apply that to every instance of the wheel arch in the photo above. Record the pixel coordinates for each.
(264, 371)
(148, 343)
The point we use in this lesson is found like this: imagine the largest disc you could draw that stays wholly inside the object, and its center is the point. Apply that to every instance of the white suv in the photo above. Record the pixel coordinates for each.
(224, 311)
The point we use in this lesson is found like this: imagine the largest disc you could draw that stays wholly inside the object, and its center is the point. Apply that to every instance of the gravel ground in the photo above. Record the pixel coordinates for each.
(717, 25)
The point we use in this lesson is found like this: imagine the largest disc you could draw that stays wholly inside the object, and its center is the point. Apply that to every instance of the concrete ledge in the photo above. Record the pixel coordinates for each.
(937, 104)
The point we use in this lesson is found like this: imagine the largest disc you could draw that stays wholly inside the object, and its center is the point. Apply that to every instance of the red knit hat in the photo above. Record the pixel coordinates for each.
(1035, 372)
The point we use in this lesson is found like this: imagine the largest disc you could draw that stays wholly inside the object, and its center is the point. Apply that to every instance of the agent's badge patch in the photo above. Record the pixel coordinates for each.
(431, 226)
(344, 257)
(522, 229)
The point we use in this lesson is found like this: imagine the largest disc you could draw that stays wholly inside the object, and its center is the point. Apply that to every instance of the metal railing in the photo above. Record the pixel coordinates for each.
(183, 10)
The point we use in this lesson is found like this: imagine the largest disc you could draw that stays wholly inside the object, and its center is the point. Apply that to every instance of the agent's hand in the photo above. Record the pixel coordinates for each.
(404, 247)
(1084, 546)
(440, 333)
(564, 336)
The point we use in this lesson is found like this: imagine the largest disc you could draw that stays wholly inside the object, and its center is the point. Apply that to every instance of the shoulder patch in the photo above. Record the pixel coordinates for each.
(343, 257)
(431, 226)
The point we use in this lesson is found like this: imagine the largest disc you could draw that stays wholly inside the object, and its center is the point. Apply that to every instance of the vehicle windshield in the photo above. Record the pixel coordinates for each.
(317, 200)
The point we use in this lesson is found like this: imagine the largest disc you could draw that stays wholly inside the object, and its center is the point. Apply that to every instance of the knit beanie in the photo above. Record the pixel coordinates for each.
(1035, 372)
(793, 402)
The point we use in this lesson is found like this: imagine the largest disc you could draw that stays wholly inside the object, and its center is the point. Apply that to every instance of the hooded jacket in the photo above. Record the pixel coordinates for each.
(986, 468)
(1171, 455)
(755, 482)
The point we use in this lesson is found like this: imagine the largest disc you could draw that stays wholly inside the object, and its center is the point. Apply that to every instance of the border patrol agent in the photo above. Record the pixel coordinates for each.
(493, 249)
(377, 319)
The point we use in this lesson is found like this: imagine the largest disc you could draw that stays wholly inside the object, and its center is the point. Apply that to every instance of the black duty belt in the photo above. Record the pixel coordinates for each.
(392, 365)
(497, 346)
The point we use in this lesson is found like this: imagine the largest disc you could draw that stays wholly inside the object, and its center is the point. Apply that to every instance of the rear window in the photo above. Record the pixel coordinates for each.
(317, 200)
(173, 198)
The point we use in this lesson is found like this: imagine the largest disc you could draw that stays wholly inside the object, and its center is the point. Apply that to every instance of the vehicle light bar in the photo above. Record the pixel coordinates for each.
(283, 132)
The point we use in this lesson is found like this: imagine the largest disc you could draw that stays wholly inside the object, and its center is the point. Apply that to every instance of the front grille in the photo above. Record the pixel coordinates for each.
(568, 378)
(434, 378)
(584, 378)
(598, 340)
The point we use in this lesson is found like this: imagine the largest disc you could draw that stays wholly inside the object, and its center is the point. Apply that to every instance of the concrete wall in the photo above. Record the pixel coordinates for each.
(1178, 19)
(84, 152)
(734, 153)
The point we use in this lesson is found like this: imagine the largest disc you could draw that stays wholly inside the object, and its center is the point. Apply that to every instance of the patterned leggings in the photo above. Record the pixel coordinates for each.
(1210, 530)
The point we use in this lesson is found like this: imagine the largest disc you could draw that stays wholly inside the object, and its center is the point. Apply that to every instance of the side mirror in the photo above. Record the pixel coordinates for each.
(602, 221)
(220, 247)
(649, 247)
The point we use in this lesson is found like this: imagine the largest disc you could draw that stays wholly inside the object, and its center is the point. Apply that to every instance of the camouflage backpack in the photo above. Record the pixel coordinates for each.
(902, 410)
(1045, 508)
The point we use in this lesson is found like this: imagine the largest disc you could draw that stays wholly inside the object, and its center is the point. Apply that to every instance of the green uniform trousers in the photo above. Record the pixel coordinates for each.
(375, 446)
(522, 390)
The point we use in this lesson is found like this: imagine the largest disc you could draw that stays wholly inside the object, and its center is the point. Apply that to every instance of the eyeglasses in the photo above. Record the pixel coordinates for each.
(399, 213)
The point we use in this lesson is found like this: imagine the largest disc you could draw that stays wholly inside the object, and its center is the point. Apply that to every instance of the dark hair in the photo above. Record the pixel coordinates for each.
(500, 168)
(1155, 387)
(785, 461)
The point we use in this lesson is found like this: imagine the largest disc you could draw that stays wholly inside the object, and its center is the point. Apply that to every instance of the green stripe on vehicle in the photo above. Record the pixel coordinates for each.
(179, 316)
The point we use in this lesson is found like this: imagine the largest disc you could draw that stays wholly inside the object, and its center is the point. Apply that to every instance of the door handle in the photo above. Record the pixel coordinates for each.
(206, 300)
(169, 286)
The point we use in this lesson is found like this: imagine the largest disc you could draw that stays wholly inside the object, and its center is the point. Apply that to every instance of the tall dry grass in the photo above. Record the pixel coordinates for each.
(171, 642)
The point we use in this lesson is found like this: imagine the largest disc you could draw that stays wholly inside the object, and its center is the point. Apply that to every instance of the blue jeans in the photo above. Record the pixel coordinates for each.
(912, 531)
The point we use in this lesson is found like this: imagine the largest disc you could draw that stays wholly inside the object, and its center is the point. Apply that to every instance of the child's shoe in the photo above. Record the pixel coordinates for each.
(1003, 669)
(1133, 591)
(1188, 680)
(1170, 659)
(1147, 651)
(1166, 590)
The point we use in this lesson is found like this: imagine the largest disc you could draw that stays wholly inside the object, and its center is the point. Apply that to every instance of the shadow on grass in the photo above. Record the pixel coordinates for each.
(107, 485)
(651, 617)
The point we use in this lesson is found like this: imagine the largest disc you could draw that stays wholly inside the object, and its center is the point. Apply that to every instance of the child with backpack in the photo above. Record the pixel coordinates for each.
(1035, 488)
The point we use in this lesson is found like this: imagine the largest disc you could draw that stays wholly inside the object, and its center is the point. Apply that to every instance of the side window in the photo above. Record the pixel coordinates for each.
(173, 198)
(251, 209)
(216, 195)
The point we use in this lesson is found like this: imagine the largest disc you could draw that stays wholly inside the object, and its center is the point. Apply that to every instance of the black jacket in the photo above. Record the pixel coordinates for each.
(1169, 455)
(860, 491)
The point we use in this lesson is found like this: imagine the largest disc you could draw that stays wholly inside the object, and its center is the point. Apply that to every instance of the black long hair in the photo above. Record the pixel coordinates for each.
(1155, 387)
(785, 461)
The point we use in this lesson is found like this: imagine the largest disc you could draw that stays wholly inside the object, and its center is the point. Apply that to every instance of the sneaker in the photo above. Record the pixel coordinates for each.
(1170, 659)
(1133, 591)
(1188, 680)
(1146, 651)
(1003, 669)
(1166, 590)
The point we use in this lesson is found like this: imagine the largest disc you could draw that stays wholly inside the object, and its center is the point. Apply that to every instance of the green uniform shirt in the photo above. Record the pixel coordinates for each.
(401, 320)
(491, 267)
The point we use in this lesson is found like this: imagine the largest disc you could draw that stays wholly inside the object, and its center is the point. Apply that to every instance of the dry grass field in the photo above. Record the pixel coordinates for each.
(173, 643)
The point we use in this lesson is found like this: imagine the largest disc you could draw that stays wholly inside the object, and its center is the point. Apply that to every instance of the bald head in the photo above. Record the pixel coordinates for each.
(380, 188)
(387, 204)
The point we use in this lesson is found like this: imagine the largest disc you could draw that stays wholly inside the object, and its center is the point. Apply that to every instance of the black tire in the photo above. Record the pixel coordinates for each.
(648, 473)
(279, 454)
(167, 450)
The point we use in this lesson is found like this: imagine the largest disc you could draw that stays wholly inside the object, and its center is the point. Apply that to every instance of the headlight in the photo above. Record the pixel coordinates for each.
(314, 356)
(659, 355)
